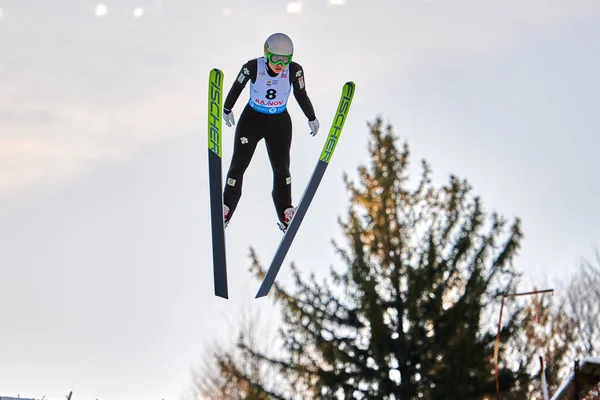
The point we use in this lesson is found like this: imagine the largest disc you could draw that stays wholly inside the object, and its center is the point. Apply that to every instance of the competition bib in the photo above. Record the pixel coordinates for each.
(269, 95)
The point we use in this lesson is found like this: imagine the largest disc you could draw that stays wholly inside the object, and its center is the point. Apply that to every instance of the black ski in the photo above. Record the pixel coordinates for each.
(215, 105)
(311, 188)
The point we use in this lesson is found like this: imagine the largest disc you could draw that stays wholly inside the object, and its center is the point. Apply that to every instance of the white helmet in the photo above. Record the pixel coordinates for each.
(279, 48)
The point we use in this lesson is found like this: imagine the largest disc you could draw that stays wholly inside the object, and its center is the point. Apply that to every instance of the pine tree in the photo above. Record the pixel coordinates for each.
(412, 314)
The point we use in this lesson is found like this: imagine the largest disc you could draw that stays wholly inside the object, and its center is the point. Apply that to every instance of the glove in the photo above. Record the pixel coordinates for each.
(314, 126)
(228, 117)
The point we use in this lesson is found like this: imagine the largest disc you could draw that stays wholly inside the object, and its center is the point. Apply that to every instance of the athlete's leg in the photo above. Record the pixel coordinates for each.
(278, 139)
(248, 133)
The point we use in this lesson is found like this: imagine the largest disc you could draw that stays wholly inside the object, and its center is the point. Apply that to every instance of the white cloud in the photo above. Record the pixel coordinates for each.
(415, 33)
(57, 141)
(26, 162)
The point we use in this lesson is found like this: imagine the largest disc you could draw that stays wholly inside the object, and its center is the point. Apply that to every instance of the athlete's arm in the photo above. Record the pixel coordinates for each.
(299, 85)
(247, 72)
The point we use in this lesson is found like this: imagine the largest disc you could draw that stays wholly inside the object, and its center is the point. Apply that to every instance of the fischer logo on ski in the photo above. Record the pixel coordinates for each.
(215, 95)
(336, 128)
(311, 187)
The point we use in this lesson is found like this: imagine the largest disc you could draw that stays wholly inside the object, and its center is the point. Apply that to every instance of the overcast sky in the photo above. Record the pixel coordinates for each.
(105, 259)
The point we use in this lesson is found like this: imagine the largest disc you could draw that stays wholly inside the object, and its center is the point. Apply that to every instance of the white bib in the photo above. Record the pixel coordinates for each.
(268, 94)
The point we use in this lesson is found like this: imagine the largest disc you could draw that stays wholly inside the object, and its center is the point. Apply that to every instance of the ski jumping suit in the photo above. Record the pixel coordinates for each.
(265, 116)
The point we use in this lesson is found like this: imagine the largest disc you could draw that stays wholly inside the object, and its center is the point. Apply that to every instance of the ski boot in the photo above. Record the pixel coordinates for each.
(288, 215)
(225, 215)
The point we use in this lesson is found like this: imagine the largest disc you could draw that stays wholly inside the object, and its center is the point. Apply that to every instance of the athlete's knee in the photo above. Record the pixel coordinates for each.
(234, 181)
(281, 170)
(284, 178)
(238, 168)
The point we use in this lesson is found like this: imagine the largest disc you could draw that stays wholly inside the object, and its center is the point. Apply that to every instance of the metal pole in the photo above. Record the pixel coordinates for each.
(505, 295)
(576, 381)
(544, 384)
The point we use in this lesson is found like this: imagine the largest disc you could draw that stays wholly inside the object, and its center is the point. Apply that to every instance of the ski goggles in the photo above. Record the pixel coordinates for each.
(279, 59)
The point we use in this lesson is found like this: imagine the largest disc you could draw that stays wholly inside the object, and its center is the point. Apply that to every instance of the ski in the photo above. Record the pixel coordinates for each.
(311, 188)
(215, 104)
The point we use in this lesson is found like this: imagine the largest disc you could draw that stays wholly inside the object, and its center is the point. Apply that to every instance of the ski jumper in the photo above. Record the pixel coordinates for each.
(265, 116)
